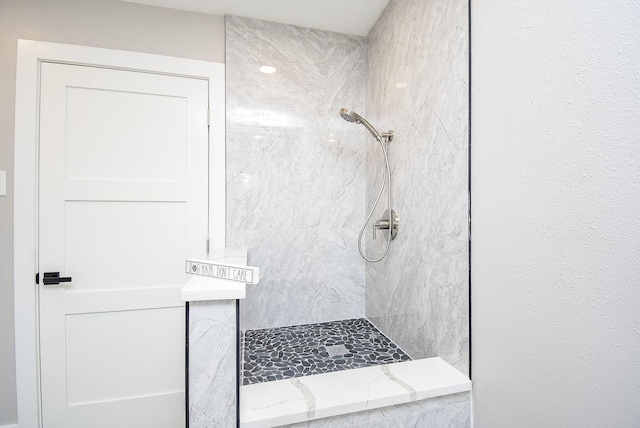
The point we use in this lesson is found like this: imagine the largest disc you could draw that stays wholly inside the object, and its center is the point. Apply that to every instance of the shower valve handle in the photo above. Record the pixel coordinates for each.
(390, 222)
(380, 224)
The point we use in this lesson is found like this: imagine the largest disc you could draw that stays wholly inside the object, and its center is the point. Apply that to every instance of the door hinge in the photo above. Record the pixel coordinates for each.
(207, 245)
(38, 278)
(208, 117)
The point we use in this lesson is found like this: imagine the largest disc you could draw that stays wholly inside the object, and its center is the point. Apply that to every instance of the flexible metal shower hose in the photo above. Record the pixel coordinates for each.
(384, 141)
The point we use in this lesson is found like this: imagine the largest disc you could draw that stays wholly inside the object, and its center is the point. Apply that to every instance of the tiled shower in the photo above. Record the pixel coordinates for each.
(295, 170)
(300, 181)
(417, 84)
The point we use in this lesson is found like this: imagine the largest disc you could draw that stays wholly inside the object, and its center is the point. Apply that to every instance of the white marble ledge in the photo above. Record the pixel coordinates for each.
(303, 399)
(201, 288)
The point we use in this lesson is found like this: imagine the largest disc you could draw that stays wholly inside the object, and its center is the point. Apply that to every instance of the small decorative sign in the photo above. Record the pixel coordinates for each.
(246, 274)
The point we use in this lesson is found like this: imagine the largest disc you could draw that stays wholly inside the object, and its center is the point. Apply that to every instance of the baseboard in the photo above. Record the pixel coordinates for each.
(9, 426)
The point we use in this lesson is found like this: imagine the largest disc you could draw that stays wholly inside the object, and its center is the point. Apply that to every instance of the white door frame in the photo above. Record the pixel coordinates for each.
(25, 247)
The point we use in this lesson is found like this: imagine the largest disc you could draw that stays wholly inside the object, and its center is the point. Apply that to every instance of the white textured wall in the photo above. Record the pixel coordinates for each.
(102, 23)
(556, 213)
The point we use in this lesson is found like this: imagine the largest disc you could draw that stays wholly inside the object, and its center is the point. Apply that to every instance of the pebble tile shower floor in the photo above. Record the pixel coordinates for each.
(288, 352)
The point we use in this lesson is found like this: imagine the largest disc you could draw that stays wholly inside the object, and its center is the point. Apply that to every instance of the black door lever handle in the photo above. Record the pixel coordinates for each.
(53, 278)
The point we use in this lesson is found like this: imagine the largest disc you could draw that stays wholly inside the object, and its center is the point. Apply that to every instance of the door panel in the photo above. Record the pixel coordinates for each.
(122, 203)
(155, 229)
(111, 143)
(124, 360)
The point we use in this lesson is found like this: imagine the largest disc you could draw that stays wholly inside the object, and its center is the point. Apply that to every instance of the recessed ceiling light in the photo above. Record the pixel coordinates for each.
(267, 69)
(401, 85)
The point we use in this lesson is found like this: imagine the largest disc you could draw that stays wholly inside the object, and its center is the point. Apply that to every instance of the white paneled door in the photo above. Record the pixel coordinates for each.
(122, 203)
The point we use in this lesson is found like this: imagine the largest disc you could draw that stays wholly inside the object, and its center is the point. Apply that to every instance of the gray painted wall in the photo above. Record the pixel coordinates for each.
(417, 85)
(556, 202)
(101, 23)
(295, 170)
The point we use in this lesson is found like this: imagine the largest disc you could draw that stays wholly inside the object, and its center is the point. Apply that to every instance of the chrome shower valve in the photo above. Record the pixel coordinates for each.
(387, 223)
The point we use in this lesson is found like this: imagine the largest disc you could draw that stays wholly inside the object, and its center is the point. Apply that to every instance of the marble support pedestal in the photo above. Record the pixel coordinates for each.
(212, 368)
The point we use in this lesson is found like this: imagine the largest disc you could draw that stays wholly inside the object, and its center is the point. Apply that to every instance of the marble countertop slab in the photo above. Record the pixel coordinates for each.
(302, 399)
(200, 288)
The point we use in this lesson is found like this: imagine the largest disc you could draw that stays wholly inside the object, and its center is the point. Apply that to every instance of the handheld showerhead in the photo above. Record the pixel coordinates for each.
(391, 223)
(353, 117)
(348, 115)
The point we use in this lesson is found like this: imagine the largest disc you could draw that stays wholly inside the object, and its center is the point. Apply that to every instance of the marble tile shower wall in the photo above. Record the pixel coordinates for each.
(295, 170)
(417, 84)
